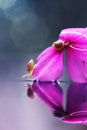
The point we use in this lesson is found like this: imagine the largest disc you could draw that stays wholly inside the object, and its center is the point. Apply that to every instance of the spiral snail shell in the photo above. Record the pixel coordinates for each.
(58, 45)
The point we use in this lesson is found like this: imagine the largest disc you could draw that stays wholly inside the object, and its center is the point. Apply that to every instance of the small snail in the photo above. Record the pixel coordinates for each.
(30, 67)
(58, 45)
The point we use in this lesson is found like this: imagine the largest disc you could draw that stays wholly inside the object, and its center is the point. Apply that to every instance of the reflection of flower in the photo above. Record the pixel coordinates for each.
(50, 67)
(76, 104)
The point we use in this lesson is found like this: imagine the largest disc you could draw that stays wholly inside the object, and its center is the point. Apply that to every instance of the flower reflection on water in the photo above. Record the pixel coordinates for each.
(51, 93)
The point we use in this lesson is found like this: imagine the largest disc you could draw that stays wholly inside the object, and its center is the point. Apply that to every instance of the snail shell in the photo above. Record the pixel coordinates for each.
(30, 67)
(58, 45)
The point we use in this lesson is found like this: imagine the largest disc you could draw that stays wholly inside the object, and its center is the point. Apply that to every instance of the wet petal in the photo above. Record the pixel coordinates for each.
(76, 60)
(49, 66)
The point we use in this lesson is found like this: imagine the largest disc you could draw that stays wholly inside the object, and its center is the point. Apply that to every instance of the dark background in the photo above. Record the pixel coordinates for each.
(29, 26)
(26, 28)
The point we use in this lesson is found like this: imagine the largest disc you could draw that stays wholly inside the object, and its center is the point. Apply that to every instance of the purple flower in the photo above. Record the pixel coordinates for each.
(76, 100)
(49, 66)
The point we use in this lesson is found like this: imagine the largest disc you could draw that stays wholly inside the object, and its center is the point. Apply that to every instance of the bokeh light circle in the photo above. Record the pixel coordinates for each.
(4, 4)
(28, 31)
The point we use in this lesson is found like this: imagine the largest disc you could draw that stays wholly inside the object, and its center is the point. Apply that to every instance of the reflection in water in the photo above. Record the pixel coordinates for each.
(52, 95)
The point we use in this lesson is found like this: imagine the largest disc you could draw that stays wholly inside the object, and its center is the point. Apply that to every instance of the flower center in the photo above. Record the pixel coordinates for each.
(58, 45)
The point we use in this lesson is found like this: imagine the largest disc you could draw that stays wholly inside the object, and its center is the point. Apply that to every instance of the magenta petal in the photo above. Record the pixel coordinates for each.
(76, 60)
(77, 103)
(76, 36)
(50, 93)
(49, 67)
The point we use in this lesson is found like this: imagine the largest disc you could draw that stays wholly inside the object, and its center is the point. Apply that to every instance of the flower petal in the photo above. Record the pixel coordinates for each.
(76, 60)
(49, 67)
(76, 36)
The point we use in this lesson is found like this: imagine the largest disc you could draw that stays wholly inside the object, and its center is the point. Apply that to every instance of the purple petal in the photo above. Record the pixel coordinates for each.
(50, 93)
(76, 36)
(76, 96)
(76, 120)
(76, 104)
(76, 60)
(49, 67)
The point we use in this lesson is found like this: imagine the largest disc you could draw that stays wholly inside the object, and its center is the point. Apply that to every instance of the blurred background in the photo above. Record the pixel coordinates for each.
(26, 28)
